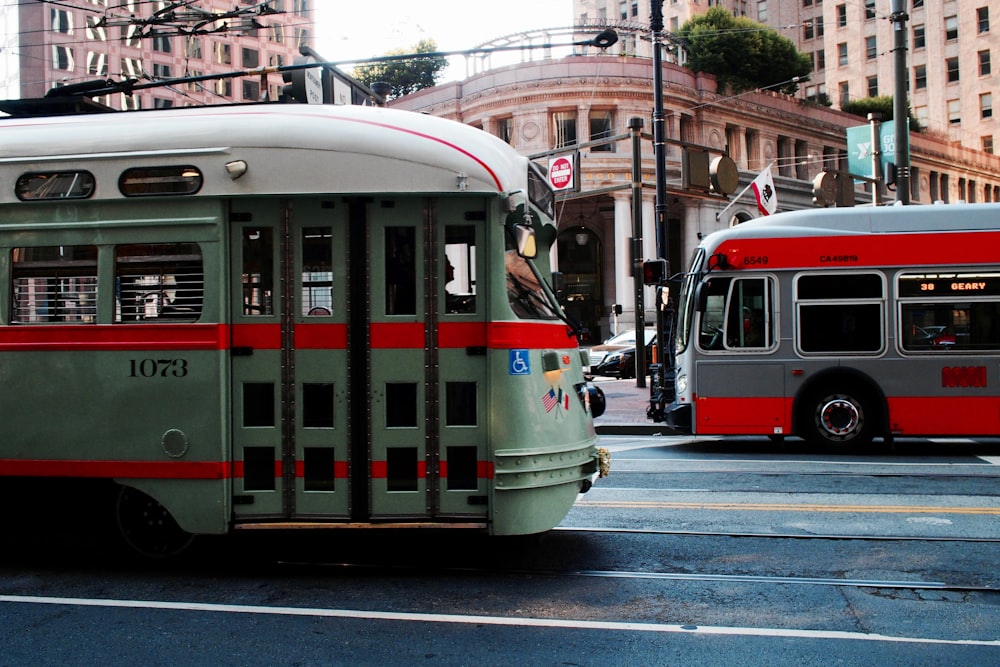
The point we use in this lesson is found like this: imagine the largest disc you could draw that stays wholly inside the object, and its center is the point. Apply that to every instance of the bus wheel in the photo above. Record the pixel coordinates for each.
(838, 418)
(147, 527)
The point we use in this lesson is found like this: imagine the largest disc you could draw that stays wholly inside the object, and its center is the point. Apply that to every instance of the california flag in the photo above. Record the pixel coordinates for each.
(763, 189)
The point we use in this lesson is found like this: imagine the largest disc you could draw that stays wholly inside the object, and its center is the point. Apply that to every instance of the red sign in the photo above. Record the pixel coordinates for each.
(561, 173)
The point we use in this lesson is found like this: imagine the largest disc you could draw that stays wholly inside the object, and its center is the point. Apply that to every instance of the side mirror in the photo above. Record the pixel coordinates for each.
(526, 244)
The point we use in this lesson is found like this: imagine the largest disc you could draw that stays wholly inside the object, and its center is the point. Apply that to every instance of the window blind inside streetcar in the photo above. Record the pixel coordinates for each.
(158, 282)
(54, 284)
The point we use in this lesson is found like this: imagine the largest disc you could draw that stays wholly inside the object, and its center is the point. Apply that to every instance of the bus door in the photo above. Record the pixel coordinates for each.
(289, 359)
(427, 364)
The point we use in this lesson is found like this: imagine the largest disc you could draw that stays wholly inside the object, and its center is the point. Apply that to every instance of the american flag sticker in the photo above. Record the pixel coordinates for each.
(550, 400)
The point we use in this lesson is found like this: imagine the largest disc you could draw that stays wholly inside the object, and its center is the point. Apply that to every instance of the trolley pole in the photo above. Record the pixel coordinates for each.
(657, 392)
(635, 129)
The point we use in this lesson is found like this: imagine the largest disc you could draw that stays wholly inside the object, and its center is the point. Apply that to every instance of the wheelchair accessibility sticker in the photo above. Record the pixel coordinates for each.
(520, 362)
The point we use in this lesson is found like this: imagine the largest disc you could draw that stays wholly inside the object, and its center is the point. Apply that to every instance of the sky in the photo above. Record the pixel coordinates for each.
(346, 30)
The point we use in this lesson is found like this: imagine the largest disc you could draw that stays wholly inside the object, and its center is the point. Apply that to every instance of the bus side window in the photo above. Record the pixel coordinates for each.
(748, 323)
(711, 335)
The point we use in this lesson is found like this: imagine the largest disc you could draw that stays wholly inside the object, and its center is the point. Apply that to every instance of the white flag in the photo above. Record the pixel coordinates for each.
(763, 190)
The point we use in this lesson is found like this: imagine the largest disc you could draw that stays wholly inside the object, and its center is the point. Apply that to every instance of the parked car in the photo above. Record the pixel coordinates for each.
(934, 336)
(619, 341)
(619, 359)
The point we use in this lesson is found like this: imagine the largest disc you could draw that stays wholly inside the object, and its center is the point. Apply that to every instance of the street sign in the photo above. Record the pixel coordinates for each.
(562, 173)
(860, 148)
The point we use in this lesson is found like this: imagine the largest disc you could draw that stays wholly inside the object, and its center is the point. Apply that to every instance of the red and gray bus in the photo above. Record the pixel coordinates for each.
(843, 325)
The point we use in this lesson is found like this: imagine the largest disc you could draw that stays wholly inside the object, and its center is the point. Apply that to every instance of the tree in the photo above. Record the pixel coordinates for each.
(405, 76)
(882, 104)
(742, 53)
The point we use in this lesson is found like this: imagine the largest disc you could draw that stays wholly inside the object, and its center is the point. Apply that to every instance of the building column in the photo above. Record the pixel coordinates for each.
(624, 287)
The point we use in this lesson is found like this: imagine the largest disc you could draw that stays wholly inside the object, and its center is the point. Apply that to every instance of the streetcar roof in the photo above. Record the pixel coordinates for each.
(288, 148)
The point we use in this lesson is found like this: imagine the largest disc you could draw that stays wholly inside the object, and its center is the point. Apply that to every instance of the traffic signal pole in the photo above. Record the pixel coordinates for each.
(664, 363)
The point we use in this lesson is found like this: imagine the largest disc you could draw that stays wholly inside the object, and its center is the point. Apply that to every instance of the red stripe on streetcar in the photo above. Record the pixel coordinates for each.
(321, 336)
(405, 335)
(257, 336)
(462, 334)
(340, 469)
(506, 335)
(117, 469)
(380, 469)
(58, 337)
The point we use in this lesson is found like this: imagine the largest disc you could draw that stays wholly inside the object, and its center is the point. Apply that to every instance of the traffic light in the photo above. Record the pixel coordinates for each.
(654, 271)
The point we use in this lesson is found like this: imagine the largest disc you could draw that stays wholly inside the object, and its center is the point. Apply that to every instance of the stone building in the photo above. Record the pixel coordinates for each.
(573, 104)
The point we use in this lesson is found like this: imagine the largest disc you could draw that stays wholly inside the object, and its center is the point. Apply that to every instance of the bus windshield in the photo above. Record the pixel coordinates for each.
(686, 304)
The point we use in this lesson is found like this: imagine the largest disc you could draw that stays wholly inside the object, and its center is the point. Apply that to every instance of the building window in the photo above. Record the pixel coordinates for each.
(844, 92)
(871, 47)
(950, 28)
(983, 19)
(869, 10)
(62, 57)
(161, 71)
(841, 16)
(96, 32)
(821, 59)
(97, 64)
(954, 112)
(920, 77)
(922, 115)
(951, 65)
(601, 127)
(564, 128)
(277, 33)
(224, 87)
(251, 90)
(163, 44)
(505, 129)
(842, 54)
(987, 142)
(62, 21)
(986, 105)
(984, 63)
(251, 57)
(130, 36)
(807, 30)
(872, 86)
(919, 36)
(918, 4)
(223, 53)
(192, 47)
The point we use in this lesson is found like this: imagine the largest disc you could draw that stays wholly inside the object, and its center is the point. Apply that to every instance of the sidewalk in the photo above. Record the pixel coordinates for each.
(626, 409)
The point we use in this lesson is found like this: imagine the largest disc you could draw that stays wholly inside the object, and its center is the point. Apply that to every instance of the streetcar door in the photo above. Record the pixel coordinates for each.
(289, 359)
(256, 354)
(427, 364)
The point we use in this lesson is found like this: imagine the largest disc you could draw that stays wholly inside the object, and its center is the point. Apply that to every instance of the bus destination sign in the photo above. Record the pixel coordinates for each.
(967, 284)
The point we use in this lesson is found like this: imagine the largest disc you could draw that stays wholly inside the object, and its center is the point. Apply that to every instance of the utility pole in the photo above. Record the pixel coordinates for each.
(658, 391)
(901, 138)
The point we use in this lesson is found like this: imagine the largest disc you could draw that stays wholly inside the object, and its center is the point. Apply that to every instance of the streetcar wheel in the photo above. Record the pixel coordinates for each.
(839, 418)
(147, 527)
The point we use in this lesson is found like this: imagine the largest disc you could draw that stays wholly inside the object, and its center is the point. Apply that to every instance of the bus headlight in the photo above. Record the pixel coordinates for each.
(681, 384)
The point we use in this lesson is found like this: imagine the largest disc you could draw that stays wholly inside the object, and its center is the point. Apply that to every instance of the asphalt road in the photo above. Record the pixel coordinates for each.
(710, 552)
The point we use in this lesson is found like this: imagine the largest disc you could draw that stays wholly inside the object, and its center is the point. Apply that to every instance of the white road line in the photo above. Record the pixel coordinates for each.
(993, 460)
(616, 626)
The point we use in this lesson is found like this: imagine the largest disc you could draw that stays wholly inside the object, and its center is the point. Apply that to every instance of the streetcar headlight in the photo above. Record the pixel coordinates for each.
(681, 384)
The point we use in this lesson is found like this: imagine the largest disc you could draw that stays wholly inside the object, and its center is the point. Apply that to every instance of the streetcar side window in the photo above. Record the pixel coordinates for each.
(54, 185)
(258, 271)
(317, 271)
(460, 269)
(54, 284)
(159, 181)
(158, 282)
(840, 313)
(400, 271)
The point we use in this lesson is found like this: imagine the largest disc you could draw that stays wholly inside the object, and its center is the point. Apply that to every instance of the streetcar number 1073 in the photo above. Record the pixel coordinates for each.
(149, 368)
